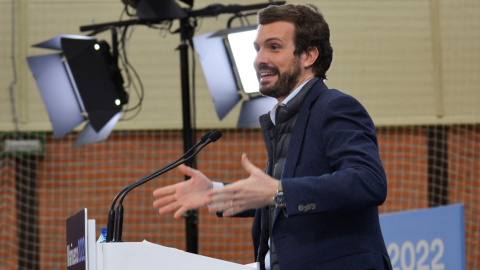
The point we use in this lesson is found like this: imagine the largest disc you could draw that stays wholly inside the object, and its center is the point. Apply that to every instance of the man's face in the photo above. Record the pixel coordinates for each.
(279, 72)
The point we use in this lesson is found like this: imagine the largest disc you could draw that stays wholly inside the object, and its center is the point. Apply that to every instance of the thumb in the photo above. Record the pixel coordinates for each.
(186, 170)
(248, 165)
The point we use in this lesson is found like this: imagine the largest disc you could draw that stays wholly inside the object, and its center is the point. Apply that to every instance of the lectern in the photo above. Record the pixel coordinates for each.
(83, 253)
(146, 255)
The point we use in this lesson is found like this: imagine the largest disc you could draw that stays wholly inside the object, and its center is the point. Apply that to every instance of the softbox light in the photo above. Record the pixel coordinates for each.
(226, 58)
(82, 84)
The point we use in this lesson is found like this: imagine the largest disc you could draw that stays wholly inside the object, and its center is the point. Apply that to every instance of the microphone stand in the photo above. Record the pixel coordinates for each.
(120, 208)
(111, 213)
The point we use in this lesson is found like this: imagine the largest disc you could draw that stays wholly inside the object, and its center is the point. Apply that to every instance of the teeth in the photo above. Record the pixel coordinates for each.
(266, 74)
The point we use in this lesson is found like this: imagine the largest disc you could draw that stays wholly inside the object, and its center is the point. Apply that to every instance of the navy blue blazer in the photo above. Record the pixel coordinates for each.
(333, 182)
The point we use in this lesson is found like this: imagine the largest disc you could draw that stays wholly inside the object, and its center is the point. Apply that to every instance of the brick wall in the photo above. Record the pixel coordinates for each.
(69, 180)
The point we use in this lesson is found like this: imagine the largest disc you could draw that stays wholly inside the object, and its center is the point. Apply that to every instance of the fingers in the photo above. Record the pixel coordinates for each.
(186, 170)
(167, 190)
(227, 205)
(179, 213)
(163, 201)
(167, 201)
(189, 171)
(166, 204)
(218, 206)
(163, 191)
(229, 212)
(169, 207)
(227, 208)
(232, 209)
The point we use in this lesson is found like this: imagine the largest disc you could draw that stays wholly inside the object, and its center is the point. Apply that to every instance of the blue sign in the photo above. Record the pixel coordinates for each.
(427, 239)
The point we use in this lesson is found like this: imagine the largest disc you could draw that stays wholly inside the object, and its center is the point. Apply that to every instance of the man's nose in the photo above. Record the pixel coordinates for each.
(259, 59)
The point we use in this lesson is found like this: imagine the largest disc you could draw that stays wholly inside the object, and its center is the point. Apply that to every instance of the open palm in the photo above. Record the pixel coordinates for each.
(183, 196)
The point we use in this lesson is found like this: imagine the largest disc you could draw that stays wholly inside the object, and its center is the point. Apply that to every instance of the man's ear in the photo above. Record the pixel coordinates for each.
(311, 55)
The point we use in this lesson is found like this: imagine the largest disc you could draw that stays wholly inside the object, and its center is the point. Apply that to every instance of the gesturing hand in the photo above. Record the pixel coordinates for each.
(253, 192)
(185, 195)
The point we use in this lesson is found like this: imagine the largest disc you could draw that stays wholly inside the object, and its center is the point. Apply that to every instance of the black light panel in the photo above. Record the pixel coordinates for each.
(99, 83)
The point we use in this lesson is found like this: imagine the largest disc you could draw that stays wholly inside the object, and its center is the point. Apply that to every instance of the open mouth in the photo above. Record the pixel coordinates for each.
(264, 75)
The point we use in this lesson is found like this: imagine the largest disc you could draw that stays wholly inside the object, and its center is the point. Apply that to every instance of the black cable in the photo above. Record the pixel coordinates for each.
(128, 67)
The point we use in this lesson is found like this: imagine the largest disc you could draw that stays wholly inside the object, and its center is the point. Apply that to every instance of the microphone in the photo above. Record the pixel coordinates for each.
(111, 212)
(206, 139)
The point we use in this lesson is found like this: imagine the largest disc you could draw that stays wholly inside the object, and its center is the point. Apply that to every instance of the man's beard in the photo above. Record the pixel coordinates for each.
(285, 83)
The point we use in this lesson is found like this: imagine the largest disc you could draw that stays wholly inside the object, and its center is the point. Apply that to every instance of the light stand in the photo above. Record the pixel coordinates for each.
(191, 217)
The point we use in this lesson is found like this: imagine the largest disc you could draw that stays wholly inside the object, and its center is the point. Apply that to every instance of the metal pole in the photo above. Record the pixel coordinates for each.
(191, 220)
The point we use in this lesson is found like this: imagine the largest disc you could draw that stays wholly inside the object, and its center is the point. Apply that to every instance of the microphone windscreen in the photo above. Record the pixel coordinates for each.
(205, 137)
(217, 134)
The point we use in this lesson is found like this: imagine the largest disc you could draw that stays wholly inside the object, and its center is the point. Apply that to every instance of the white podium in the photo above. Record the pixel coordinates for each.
(146, 255)
(84, 253)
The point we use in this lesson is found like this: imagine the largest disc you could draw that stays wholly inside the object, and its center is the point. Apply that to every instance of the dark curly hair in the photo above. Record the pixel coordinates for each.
(311, 29)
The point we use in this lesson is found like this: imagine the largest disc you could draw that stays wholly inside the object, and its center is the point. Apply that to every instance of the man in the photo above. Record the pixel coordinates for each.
(316, 204)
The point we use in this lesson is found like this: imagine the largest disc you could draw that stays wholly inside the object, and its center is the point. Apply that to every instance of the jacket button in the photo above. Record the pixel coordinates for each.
(306, 208)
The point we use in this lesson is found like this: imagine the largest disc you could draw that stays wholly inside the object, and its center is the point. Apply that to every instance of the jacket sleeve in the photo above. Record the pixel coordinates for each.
(339, 167)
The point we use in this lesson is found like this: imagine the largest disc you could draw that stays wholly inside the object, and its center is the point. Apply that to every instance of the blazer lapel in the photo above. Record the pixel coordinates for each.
(296, 142)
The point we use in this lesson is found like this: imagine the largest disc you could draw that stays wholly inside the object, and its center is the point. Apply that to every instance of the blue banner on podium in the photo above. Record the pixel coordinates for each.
(427, 239)
(76, 241)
